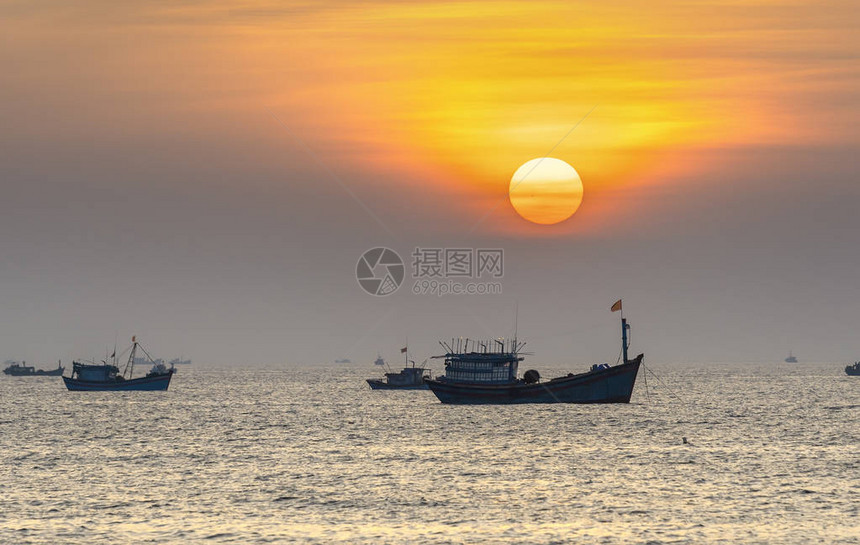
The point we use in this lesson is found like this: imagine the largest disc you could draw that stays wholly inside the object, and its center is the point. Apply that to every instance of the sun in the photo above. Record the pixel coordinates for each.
(546, 190)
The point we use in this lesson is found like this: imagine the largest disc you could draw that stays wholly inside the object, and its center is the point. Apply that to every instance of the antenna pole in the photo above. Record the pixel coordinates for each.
(516, 320)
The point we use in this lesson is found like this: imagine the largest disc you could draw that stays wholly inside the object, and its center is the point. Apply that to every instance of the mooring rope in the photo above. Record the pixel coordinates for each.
(682, 402)
(672, 392)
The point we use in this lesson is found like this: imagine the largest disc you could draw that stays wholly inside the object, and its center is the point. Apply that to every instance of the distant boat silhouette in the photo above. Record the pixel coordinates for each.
(24, 370)
(853, 370)
(790, 358)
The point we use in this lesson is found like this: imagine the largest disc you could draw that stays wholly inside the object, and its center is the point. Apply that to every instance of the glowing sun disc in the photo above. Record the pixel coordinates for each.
(546, 190)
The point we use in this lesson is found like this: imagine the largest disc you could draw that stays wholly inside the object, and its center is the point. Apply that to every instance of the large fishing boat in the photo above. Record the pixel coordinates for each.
(23, 370)
(853, 370)
(487, 374)
(106, 376)
(409, 378)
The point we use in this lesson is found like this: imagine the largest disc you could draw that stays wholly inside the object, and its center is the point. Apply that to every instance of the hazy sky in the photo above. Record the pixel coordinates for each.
(205, 175)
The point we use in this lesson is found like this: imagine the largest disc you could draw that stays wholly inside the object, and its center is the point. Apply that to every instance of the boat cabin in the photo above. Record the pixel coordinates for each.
(408, 376)
(23, 369)
(94, 373)
(492, 362)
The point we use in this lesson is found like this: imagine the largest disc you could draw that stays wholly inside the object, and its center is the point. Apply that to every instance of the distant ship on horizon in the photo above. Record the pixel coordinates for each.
(159, 361)
(790, 358)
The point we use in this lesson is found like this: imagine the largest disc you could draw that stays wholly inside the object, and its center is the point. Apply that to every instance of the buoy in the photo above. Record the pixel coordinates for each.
(685, 440)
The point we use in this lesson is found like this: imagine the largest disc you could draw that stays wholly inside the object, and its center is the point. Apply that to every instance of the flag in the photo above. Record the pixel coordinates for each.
(114, 354)
(403, 350)
(616, 306)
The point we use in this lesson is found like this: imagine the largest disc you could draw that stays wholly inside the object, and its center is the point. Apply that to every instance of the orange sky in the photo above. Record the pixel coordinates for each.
(453, 97)
(479, 88)
(140, 161)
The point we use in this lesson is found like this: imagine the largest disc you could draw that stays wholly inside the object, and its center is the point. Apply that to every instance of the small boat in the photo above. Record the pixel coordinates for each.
(379, 361)
(488, 375)
(24, 370)
(790, 358)
(179, 361)
(106, 376)
(343, 360)
(853, 370)
(409, 378)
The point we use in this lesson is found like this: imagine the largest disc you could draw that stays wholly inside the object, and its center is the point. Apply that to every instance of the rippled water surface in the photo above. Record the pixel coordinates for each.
(245, 455)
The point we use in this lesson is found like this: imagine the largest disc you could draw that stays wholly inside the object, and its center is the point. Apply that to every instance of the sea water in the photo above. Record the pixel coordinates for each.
(311, 455)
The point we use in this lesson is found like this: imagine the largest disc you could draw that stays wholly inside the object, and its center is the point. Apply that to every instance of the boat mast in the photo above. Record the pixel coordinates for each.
(129, 367)
(514, 343)
(625, 341)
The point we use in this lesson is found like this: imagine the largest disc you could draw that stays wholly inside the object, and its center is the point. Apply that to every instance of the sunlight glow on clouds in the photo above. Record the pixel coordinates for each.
(461, 92)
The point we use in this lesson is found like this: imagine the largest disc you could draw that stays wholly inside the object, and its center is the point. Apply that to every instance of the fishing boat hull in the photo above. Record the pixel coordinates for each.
(154, 383)
(376, 384)
(852, 370)
(608, 385)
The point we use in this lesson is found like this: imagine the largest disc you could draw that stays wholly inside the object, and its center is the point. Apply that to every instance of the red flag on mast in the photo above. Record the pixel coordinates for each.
(616, 306)
(403, 350)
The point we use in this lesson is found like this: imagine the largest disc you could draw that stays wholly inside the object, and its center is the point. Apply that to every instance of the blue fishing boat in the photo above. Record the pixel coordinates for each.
(409, 378)
(106, 376)
(488, 374)
(853, 370)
